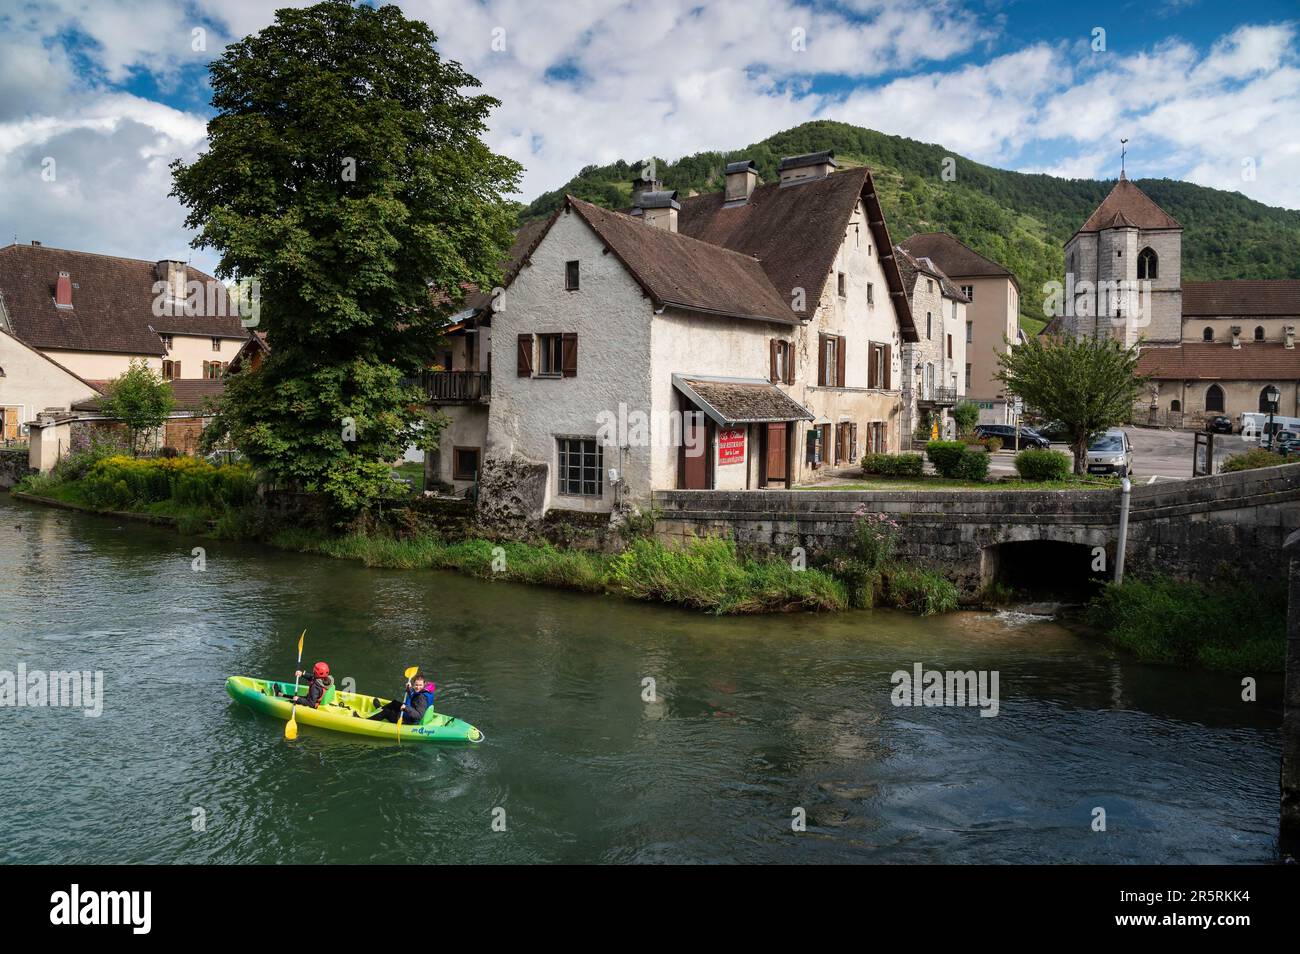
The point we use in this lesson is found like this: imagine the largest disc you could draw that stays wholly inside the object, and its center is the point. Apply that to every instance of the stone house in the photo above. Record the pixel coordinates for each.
(1207, 347)
(992, 316)
(741, 339)
(934, 366)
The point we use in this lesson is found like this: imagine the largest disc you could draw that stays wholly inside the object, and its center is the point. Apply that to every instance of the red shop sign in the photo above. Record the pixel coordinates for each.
(731, 446)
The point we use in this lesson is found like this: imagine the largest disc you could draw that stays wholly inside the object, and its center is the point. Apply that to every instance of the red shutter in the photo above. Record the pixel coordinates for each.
(840, 348)
(772, 345)
(569, 343)
(525, 356)
(821, 360)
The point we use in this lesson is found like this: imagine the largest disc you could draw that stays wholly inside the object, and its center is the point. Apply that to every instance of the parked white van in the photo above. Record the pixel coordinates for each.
(1254, 426)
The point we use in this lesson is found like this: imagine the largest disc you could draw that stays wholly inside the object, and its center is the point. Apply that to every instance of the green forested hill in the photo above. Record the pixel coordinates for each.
(1020, 220)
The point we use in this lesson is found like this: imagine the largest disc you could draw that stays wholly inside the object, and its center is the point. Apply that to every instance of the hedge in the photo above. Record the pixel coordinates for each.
(892, 465)
(955, 460)
(1041, 465)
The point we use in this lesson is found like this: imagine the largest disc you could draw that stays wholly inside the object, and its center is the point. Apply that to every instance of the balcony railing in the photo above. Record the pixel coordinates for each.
(940, 397)
(457, 387)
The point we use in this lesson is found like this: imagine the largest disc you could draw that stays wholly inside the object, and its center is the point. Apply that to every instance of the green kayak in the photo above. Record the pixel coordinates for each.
(347, 712)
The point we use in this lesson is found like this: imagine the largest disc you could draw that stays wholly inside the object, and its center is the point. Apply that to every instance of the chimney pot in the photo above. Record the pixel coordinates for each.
(1236, 336)
(640, 186)
(63, 291)
(796, 170)
(742, 179)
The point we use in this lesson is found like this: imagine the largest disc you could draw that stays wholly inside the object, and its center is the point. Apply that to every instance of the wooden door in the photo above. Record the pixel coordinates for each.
(774, 457)
(695, 453)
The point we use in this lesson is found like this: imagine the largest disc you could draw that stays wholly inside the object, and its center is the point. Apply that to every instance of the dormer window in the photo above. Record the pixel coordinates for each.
(570, 276)
(1259, 333)
(166, 341)
(1207, 334)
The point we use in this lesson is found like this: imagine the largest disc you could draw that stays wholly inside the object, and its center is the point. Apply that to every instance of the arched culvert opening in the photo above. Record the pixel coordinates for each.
(1045, 570)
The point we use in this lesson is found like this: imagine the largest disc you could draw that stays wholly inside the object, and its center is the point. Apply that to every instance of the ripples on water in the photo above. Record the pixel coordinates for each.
(753, 719)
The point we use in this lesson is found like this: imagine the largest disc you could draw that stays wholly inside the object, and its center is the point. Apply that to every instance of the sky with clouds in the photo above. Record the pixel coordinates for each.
(98, 96)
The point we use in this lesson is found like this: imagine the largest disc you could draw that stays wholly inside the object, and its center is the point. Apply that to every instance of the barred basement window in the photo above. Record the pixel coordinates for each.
(580, 466)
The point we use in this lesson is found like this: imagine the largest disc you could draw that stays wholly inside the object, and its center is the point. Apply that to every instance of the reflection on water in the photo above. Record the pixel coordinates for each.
(750, 720)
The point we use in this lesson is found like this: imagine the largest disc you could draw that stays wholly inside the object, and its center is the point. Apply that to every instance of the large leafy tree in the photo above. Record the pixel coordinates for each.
(1088, 385)
(345, 173)
(140, 399)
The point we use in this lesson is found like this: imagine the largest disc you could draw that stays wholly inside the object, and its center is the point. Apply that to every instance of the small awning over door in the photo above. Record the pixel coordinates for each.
(732, 401)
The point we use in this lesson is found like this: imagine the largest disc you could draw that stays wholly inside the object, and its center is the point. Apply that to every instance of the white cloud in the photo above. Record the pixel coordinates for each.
(654, 77)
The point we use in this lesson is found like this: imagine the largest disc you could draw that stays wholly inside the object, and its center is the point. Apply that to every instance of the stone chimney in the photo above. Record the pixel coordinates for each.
(63, 291)
(1236, 336)
(172, 271)
(742, 179)
(1288, 335)
(640, 186)
(659, 209)
(796, 170)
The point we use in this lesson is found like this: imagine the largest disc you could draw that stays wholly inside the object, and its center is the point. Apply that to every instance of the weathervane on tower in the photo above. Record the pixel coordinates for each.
(1122, 153)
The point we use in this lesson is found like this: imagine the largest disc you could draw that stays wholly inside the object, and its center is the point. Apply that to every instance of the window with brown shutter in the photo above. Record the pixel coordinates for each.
(789, 362)
(888, 365)
(830, 361)
(840, 350)
(524, 359)
(772, 345)
(821, 360)
(570, 343)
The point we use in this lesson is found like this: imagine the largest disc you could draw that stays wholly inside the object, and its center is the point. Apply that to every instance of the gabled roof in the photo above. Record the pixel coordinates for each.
(675, 269)
(955, 257)
(112, 302)
(190, 394)
(45, 357)
(911, 267)
(796, 234)
(731, 401)
(1127, 206)
(1230, 299)
(1207, 361)
(256, 343)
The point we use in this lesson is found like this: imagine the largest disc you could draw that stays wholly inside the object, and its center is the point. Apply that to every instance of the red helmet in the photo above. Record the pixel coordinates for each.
(321, 669)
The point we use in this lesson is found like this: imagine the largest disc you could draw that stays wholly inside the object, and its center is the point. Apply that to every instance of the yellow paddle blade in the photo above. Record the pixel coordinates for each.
(291, 729)
(410, 673)
(300, 639)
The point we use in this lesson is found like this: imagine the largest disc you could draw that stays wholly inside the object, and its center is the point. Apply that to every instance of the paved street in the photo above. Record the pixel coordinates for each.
(1157, 454)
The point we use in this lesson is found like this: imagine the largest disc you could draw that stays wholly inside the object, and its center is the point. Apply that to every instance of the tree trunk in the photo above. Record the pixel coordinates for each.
(1080, 449)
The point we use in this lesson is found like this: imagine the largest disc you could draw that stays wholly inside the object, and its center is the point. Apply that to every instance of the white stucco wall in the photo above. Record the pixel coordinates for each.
(101, 365)
(612, 319)
(32, 383)
(191, 351)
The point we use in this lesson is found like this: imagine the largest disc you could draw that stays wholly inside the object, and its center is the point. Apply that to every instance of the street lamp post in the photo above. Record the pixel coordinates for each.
(1272, 395)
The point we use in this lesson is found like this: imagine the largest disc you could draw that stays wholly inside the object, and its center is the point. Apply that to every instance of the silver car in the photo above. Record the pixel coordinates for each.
(1111, 453)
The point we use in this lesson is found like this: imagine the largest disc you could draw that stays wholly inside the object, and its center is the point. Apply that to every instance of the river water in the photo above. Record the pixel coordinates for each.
(755, 724)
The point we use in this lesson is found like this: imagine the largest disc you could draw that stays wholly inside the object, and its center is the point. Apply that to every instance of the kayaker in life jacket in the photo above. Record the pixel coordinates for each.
(316, 686)
(417, 701)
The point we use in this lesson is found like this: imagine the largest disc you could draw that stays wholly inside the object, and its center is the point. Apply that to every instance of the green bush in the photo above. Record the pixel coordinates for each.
(1041, 465)
(921, 591)
(945, 456)
(974, 465)
(966, 415)
(1231, 626)
(893, 465)
(992, 444)
(1252, 459)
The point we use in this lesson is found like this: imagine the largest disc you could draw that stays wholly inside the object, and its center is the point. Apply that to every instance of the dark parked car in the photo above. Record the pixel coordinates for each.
(1007, 434)
(1219, 424)
(1054, 431)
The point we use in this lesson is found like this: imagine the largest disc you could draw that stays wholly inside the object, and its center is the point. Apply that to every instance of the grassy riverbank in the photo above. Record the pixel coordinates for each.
(1230, 627)
(709, 575)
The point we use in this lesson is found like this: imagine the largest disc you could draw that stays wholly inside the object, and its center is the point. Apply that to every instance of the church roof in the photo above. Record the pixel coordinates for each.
(1127, 206)
(1231, 299)
(1220, 361)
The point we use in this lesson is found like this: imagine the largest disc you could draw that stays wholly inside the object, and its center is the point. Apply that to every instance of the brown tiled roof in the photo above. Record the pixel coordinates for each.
(1127, 205)
(1195, 360)
(675, 269)
(955, 257)
(741, 400)
(796, 232)
(112, 302)
(911, 266)
(256, 342)
(190, 394)
(1232, 298)
(526, 238)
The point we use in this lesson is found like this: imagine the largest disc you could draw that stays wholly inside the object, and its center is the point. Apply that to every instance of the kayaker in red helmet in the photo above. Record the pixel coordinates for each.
(418, 701)
(320, 681)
